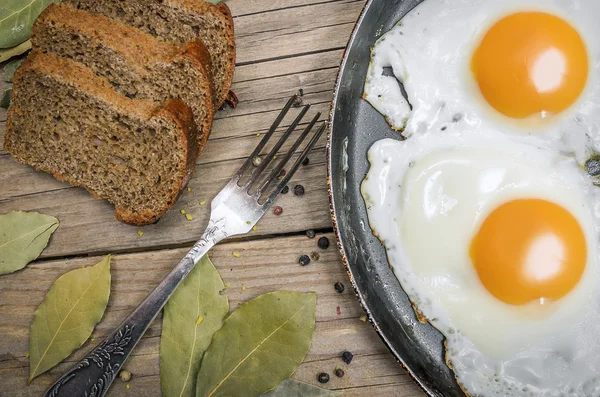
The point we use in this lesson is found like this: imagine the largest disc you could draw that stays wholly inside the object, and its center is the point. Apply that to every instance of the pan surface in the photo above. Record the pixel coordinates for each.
(354, 127)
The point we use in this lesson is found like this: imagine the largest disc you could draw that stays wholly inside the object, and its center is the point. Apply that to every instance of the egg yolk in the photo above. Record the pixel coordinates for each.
(527, 250)
(531, 63)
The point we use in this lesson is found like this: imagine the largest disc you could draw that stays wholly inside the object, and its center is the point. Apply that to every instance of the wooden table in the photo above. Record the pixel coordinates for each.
(283, 45)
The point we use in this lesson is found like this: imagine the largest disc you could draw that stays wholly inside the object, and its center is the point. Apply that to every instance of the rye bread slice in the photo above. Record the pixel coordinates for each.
(65, 120)
(179, 20)
(137, 64)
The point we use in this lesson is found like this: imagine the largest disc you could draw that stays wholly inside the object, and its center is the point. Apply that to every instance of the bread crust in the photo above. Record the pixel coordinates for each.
(71, 73)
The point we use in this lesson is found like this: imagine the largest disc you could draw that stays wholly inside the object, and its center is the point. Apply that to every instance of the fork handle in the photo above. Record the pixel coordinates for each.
(93, 375)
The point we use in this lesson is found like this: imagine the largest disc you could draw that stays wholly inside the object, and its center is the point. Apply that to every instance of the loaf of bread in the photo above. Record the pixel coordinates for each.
(179, 20)
(66, 120)
(136, 64)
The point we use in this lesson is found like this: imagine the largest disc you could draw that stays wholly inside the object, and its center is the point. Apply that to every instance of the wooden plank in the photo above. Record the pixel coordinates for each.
(264, 265)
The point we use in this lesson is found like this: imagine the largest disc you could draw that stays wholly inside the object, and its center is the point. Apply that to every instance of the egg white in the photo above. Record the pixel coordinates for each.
(430, 52)
(426, 198)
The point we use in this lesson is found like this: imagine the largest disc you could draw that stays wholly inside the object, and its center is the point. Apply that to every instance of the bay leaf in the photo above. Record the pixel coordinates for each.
(16, 19)
(5, 103)
(11, 67)
(66, 318)
(260, 345)
(293, 388)
(23, 237)
(191, 317)
(7, 53)
(215, 1)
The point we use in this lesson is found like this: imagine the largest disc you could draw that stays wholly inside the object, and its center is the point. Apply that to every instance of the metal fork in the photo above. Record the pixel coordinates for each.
(235, 210)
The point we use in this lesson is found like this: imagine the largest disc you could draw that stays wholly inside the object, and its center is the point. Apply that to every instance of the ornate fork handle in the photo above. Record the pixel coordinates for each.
(92, 376)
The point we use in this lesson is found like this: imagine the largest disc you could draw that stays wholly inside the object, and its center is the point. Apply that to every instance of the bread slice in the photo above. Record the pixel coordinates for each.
(65, 120)
(136, 64)
(179, 20)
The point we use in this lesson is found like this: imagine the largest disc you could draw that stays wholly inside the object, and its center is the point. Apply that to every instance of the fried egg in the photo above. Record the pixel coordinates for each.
(525, 67)
(495, 242)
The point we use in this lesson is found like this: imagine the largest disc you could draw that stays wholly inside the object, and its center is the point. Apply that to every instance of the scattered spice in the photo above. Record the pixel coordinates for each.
(199, 320)
(299, 190)
(339, 372)
(182, 212)
(275, 157)
(227, 284)
(339, 287)
(257, 134)
(305, 161)
(202, 203)
(278, 210)
(338, 310)
(315, 256)
(304, 260)
(235, 254)
(248, 222)
(347, 357)
(323, 377)
(127, 386)
(188, 217)
(125, 375)
(140, 233)
(285, 189)
(256, 161)
(189, 189)
(243, 288)
(323, 243)
(363, 318)
(282, 172)
(311, 233)
(254, 227)
(27, 354)
(92, 339)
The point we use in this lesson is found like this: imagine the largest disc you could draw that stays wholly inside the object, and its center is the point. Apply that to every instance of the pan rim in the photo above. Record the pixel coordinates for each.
(332, 210)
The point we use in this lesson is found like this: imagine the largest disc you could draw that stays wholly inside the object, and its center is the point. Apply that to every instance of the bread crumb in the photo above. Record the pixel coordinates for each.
(188, 217)
(140, 233)
(235, 254)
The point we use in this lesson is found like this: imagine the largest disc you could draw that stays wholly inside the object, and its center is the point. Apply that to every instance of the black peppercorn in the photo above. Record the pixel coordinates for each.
(311, 233)
(278, 210)
(299, 190)
(305, 161)
(347, 357)
(304, 260)
(339, 372)
(285, 189)
(339, 287)
(323, 377)
(323, 243)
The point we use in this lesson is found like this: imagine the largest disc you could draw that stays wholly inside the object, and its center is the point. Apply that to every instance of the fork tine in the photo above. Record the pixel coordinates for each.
(277, 170)
(267, 160)
(295, 167)
(265, 139)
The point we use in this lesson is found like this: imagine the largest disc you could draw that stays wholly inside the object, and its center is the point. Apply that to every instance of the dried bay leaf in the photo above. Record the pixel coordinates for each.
(23, 237)
(7, 53)
(191, 317)
(260, 345)
(5, 103)
(293, 388)
(11, 67)
(66, 318)
(16, 19)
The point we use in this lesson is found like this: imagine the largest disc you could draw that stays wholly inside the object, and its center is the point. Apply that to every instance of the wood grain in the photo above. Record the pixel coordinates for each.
(283, 46)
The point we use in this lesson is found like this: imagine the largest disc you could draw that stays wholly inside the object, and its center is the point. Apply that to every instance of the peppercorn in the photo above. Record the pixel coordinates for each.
(311, 233)
(282, 172)
(299, 190)
(278, 210)
(339, 287)
(305, 161)
(323, 243)
(347, 357)
(323, 377)
(304, 260)
(125, 375)
(339, 372)
(285, 189)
